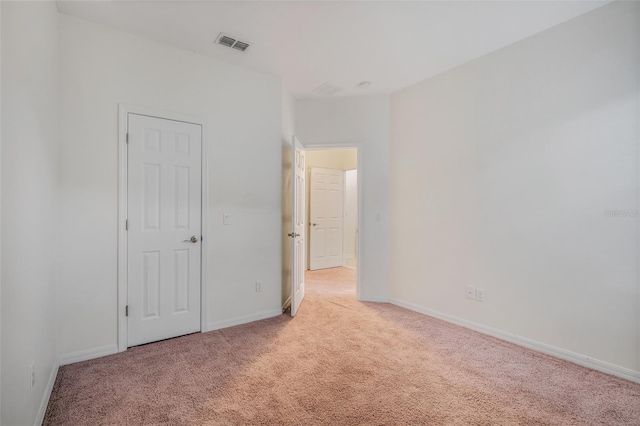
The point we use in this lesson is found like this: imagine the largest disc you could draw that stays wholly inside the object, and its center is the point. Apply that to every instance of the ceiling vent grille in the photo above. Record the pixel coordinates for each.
(228, 41)
(327, 89)
(241, 46)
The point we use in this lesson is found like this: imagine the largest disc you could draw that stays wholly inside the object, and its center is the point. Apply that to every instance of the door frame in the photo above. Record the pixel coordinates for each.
(123, 123)
(358, 147)
(344, 204)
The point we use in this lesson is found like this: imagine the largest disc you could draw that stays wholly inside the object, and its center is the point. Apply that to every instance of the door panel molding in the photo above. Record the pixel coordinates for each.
(326, 195)
(298, 216)
(123, 123)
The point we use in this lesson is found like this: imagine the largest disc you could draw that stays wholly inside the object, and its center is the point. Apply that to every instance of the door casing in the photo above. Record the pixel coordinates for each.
(344, 203)
(123, 123)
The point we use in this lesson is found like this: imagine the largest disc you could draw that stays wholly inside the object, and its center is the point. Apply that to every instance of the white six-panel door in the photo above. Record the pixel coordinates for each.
(298, 219)
(326, 236)
(164, 228)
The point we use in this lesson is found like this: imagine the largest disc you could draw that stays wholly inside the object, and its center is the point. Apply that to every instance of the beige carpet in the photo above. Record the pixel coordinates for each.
(339, 362)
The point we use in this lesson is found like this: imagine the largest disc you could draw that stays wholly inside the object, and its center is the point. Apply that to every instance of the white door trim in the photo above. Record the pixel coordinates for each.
(359, 147)
(123, 112)
(344, 207)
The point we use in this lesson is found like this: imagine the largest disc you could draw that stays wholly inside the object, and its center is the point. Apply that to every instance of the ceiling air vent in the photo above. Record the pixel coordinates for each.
(231, 42)
(327, 89)
(241, 46)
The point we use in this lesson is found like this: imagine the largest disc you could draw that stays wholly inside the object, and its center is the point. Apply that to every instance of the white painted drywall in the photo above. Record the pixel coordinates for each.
(102, 67)
(350, 213)
(29, 168)
(288, 130)
(501, 173)
(0, 212)
(336, 159)
(362, 120)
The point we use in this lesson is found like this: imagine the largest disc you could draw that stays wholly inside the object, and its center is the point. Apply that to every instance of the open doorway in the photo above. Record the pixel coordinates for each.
(321, 244)
(332, 220)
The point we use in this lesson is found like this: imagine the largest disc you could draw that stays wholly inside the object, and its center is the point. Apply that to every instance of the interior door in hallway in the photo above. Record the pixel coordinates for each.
(297, 235)
(326, 236)
(164, 202)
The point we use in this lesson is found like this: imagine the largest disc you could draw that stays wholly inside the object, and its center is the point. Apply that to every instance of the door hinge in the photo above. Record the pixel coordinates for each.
(126, 225)
(127, 138)
(126, 311)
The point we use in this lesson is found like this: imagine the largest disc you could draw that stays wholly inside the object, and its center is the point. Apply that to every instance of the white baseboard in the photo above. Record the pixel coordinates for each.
(374, 299)
(47, 394)
(286, 303)
(576, 358)
(65, 359)
(88, 354)
(245, 319)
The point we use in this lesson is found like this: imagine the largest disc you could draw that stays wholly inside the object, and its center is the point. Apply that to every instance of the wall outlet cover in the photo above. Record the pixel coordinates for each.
(470, 292)
(480, 294)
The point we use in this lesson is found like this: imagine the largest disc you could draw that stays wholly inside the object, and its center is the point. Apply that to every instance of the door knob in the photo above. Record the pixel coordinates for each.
(293, 235)
(313, 224)
(193, 240)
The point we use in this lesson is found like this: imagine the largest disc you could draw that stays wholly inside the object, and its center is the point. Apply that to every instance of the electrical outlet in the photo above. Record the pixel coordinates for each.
(470, 291)
(480, 294)
(226, 219)
(258, 286)
(32, 381)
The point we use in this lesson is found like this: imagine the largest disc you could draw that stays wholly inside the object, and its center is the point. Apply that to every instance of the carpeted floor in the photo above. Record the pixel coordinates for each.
(338, 362)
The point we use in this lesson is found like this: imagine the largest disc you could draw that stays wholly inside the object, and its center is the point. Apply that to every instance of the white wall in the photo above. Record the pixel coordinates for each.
(0, 213)
(501, 172)
(101, 67)
(336, 159)
(362, 120)
(29, 168)
(288, 130)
